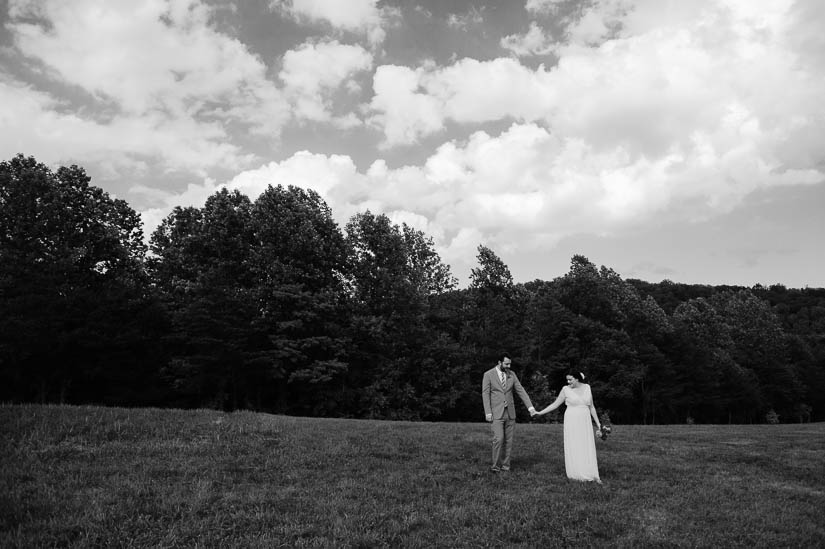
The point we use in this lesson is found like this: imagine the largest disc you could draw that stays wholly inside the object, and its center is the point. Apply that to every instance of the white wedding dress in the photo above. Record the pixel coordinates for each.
(579, 442)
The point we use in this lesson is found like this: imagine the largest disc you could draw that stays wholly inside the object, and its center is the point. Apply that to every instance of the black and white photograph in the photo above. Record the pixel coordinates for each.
(412, 273)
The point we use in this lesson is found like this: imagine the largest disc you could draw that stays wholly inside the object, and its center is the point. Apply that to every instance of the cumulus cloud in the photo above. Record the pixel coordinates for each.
(35, 123)
(410, 104)
(542, 6)
(136, 98)
(303, 169)
(533, 42)
(464, 21)
(313, 73)
(728, 85)
(492, 189)
(402, 111)
(358, 16)
(527, 188)
(653, 110)
(125, 57)
(598, 22)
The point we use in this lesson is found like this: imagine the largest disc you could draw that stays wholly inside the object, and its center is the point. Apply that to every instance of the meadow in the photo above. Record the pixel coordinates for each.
(93, 476)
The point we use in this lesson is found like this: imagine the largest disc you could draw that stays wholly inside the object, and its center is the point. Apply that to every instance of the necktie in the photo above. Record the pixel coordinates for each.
(503, 379)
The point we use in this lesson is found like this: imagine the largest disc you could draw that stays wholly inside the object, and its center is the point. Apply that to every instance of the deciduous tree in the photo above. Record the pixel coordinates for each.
(73, 293)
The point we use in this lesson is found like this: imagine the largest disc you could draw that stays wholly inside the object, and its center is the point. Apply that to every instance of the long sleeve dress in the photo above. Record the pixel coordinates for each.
(579, 442)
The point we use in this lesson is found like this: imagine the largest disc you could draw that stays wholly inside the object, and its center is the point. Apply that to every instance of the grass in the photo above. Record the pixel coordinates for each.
(90, 476)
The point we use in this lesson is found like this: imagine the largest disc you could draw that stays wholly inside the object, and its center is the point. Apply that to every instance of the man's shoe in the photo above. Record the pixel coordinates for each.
(505, 469)
(494, 469)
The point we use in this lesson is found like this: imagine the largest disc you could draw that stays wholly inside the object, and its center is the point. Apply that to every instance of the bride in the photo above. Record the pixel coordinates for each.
(579, 442)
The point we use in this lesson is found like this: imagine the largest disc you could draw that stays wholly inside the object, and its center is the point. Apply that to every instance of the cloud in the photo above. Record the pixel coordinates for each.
(194, 195)
(126, 57)
(527, 188)
(358, 16)
(411, 104)
(598, 22)
(592, 25)
(489, 189)
(653, 111)
(35, 123)
(533, 42)
(303, 169)
(723, 93)
(129, 96)
(312, 74)
(400, 108)
(472, 18)
(542, 6)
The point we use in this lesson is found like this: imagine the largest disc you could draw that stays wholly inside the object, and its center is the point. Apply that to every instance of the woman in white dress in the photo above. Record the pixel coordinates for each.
(579, 441)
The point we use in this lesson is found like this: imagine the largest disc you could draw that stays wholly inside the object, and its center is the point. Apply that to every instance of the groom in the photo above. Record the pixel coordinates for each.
(497, 394)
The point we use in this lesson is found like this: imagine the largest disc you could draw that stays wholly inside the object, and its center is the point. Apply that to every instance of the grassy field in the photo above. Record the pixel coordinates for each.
(87, 476)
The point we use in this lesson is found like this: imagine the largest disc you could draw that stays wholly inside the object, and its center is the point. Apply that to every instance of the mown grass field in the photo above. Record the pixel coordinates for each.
(92, 477)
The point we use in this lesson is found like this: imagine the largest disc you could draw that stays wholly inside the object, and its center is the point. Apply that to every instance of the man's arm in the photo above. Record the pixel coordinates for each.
(485, 397)
(523, 394)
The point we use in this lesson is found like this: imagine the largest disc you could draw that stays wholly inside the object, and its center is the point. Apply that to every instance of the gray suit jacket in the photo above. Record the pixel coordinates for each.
(494, 395)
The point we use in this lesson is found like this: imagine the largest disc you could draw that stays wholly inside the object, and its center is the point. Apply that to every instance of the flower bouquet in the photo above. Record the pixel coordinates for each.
(604, 432)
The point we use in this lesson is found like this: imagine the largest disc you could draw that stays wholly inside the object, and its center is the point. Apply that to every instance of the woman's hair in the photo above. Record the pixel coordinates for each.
(576, 375)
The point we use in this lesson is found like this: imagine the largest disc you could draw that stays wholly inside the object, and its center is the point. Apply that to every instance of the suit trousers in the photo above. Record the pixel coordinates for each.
(503, 429)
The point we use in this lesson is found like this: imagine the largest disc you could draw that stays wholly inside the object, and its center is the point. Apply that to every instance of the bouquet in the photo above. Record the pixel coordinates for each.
(604, 432)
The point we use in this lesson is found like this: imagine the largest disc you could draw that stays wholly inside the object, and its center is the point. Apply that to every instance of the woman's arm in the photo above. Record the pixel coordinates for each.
(593, 413)
(553, 406)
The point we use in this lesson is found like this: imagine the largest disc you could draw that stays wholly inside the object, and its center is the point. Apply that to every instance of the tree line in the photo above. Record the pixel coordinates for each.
(270, 305)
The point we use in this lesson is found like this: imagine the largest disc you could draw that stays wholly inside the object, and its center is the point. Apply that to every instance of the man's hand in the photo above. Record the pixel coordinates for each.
(489, 417)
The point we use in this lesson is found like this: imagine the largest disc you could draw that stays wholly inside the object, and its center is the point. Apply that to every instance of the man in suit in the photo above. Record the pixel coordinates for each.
(497, 394)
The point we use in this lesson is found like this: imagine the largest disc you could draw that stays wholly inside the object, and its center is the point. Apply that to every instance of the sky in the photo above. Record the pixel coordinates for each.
(665, 139)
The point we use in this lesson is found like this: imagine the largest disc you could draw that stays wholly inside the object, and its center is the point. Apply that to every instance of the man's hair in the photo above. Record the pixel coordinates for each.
(502, 356)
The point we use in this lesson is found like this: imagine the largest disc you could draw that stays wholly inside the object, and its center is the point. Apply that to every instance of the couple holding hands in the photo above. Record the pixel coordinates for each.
(497, 389)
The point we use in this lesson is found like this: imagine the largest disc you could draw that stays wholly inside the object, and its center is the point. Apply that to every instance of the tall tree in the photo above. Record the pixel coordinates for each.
(494, 319)
(402, 362)
(495, 322)
(300, 263)
(760, 346)
(202, 264)
(603, 311)
(492, 275)
(712, 385)
(73, 293)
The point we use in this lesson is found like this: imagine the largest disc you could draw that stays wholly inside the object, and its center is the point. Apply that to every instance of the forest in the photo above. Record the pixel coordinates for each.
(269, 305)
